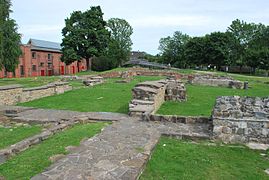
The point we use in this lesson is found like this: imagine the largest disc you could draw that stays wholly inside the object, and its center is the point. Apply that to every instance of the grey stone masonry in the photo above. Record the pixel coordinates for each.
(120, 152)
(93, 80)
(147, 97)
(11, 95)
(150, 95)
(222, 81)
(241, 119)
(175, 91)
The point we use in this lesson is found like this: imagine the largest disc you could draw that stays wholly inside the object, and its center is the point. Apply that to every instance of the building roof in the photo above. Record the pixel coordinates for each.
(44, 45)
(145, 63)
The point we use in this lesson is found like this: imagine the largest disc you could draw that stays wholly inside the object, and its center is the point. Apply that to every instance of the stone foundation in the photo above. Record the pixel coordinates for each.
(11, 95)
(241, 119)
(149, 96)
(221, 81)
(93, 80)
(21, 146)
(177, 119)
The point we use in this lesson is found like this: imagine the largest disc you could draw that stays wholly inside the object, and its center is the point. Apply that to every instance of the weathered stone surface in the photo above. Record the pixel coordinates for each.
(176, 119)
(93, 80)
(241, 119)
(258, 146)
(267, 171)
(120, 151)
(150, 95)
(11, 95)
(212, 80)
(56, 157)
(175, 91)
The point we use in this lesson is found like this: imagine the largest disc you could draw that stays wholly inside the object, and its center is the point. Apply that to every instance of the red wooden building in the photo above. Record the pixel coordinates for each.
(42, 58)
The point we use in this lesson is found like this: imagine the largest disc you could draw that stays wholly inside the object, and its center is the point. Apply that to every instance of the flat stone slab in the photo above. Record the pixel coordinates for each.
(267, 171)
(142, 108)
(146, 89)
(142, 102)
(151, 84)
(42, 116)
(120, 152)
(257, 146)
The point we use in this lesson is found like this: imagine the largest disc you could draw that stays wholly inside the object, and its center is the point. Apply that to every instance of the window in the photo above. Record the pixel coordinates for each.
(49, 65)
(41, 64)
(49, 56)
(34, 55)
(22, 70)
(33, 67)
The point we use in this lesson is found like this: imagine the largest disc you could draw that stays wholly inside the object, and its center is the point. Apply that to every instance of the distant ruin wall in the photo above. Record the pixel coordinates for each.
(143, 72)
(13, 94)
(212, 80)
(241, 119)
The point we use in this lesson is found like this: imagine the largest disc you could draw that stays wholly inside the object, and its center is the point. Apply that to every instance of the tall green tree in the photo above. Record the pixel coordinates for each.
(218, 48)
(244, 33)
(121, 42)
(195, 52)
(172, 49)
(10, 39)
(84, 36)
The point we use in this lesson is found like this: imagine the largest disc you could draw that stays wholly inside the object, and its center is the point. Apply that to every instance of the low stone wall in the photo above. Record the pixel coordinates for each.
(211, 80)
(175, 91)
(241, 119)
(11, 95)
(143, 72)
(176, 119)
(14, 149)
(149, 96)
(93, 80)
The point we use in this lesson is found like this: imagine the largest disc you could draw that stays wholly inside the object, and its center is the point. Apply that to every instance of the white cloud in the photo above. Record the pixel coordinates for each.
(169, 21)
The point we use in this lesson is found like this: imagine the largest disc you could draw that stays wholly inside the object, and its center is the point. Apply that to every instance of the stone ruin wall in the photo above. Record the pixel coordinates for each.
(241, 119)
(204, 79)
(13, 94)
(212, 80)
(10, 95)
(149, 96)
(143, 72)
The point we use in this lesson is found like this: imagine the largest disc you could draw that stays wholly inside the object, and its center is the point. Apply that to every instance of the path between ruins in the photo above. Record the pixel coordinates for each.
(120, 151)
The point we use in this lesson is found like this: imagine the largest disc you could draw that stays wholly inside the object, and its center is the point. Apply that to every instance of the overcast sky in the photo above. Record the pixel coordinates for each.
(150, 19)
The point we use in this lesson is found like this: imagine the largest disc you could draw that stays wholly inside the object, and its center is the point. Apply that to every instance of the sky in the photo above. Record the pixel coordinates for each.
(150, 19)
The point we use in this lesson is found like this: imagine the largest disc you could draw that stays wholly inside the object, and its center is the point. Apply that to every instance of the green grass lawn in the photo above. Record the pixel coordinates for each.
(9, 136)
(108, 97)
(34, 160)
(201, 99)
(29, 82)
(174, 159)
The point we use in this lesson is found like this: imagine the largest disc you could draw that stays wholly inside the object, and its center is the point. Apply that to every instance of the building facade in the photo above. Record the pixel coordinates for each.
(42, 58)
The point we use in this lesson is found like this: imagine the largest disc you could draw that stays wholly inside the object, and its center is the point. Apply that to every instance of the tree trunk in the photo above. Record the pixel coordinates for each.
(89, 63)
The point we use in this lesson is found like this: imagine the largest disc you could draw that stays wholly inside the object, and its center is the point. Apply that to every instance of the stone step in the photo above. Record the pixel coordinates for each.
(141, 102)
(142, 108)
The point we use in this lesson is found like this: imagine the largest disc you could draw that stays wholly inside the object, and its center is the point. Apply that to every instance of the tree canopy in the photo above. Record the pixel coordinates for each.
(121, 43)
(172, 48)
(85, 36)
(243, 44)
(9, 38)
